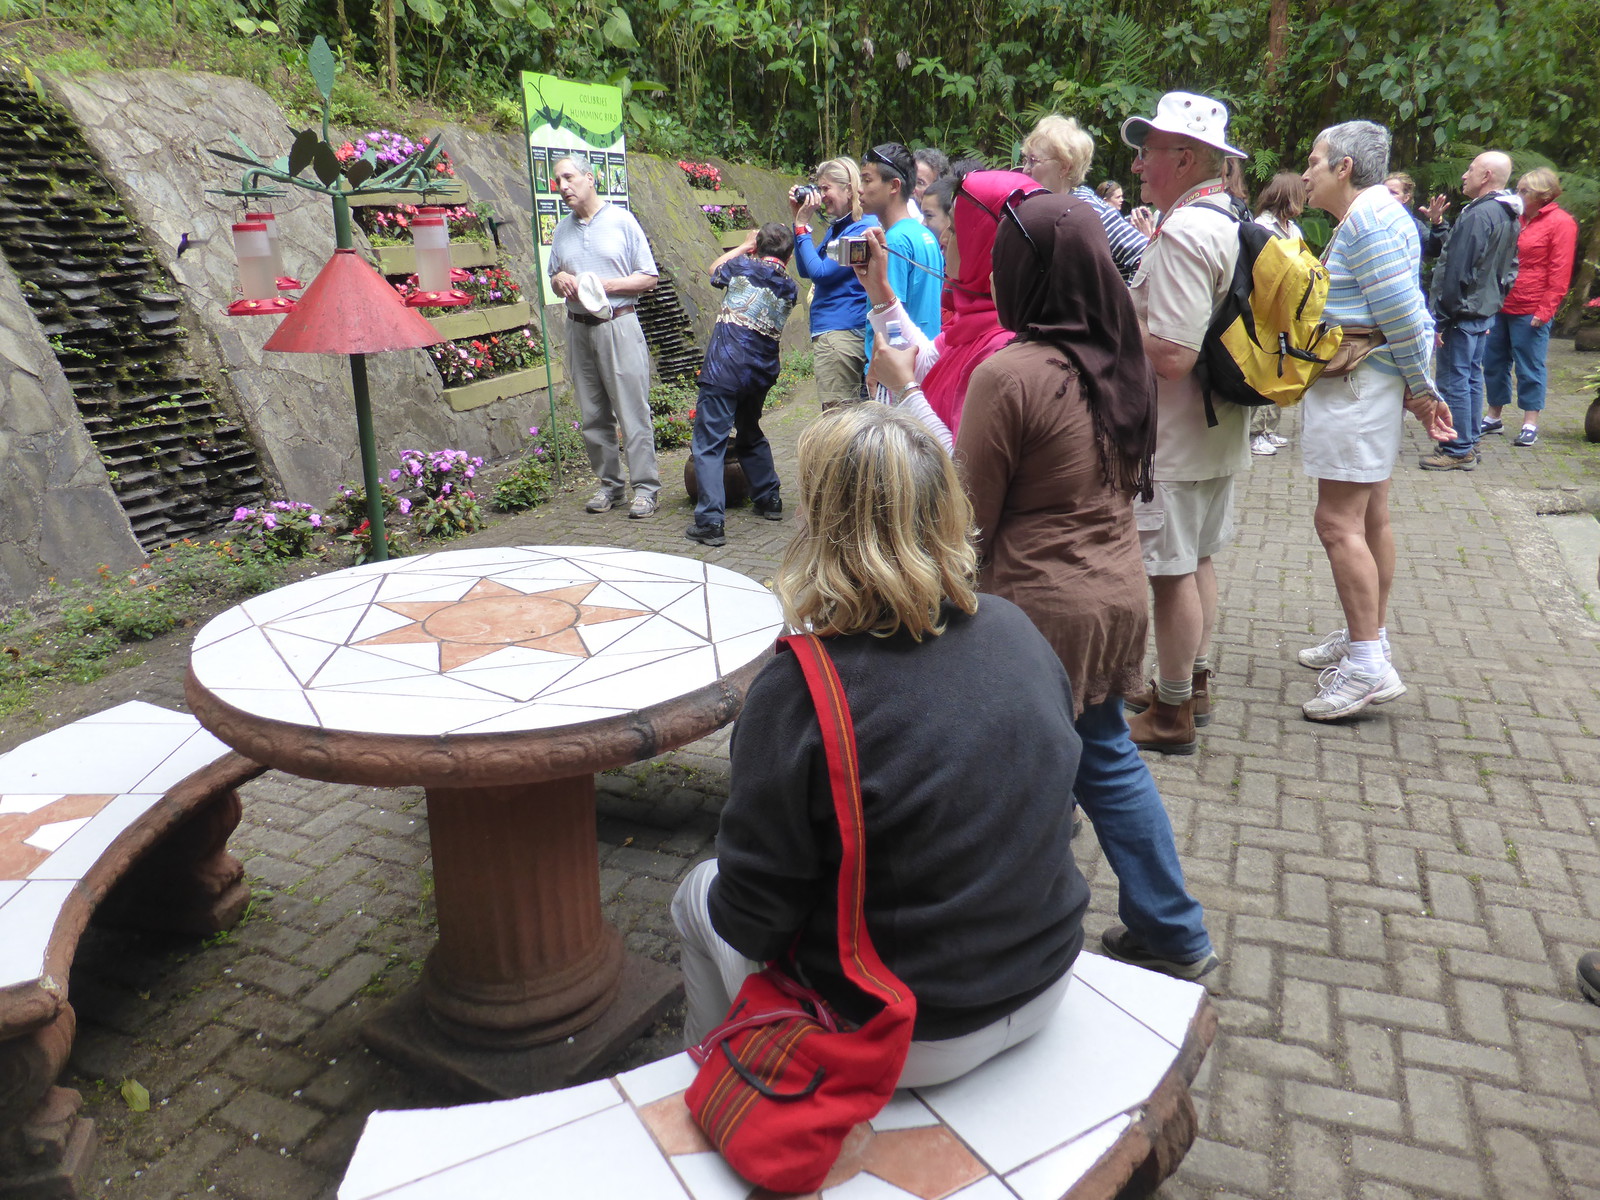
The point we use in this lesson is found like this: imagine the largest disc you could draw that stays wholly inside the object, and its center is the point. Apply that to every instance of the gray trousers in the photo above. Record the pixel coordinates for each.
(713, 972)
(609, 366)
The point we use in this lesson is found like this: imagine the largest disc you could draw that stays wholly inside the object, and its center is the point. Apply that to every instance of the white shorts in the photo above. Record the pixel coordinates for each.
(1350, 426)
(1185, 521)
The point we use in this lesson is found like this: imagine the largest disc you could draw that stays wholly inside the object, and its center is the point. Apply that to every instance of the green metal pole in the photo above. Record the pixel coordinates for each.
(378, 538)
(538, 285)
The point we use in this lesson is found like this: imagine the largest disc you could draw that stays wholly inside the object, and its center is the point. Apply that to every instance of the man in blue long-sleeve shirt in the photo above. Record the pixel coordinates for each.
(838, 301)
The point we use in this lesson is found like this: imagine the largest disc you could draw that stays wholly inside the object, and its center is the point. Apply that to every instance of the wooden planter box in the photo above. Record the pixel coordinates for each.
(487, 391)
(402, 260)
(479, 322)
(733, 237)
(452, 194)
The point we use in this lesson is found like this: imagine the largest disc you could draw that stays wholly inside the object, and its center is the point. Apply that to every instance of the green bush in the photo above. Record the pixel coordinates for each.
(447, 516)
(529, 483)
(673, 430)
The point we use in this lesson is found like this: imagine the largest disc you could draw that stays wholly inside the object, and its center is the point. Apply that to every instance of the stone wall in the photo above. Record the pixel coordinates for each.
(151, 130)
(58, 514)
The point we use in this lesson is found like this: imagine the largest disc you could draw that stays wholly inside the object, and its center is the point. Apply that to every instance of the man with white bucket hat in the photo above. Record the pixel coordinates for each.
(1180, 284)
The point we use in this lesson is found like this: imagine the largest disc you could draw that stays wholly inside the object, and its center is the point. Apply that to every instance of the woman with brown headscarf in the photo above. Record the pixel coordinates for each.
(1056, 439)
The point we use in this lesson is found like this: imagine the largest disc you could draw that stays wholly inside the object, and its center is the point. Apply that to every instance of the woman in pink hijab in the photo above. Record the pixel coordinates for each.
(930, 380)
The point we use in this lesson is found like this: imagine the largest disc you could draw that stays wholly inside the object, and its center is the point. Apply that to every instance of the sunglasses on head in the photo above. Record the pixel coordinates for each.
(1009, 209)
(883, 160)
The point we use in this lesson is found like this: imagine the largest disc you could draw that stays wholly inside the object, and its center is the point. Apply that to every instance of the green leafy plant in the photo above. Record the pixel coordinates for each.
(525, 485)
(449, 515)
(281, 529)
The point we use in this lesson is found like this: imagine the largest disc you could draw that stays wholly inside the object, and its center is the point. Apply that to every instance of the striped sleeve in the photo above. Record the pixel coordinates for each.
(1127, 243)
(1381, 260)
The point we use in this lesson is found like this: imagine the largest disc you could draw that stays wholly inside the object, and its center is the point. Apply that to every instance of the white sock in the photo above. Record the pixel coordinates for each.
(1368, 657)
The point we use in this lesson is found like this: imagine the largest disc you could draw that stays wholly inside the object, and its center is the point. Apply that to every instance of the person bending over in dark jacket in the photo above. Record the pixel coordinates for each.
(964, 724)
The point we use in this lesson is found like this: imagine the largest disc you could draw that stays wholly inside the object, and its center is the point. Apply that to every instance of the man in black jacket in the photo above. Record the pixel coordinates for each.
(1476, 270)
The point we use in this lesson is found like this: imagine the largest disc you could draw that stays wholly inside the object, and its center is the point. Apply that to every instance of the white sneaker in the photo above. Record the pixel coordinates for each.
(1345, 691)
(602, 501)
(1331, 651)
(1262, 446)
(1276, 440)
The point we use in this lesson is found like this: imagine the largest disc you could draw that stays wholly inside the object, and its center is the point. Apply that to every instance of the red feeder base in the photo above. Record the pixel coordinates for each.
(450, 299)
(287, 283)
(275, 307)
(459, 274)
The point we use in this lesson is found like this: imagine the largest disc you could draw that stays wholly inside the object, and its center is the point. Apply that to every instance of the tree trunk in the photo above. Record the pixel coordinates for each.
(394, 57)
(1277, 44)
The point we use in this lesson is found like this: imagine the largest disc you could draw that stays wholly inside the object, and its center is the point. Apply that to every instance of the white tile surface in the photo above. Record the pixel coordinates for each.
(652, 594)
(83, 850)
(691, 613)
(223, 625)
(199, 749)
(1050, 1177)
(289, 707)
(136, 712)
(349, 666)
(866, 1187)
(399, 1147)
(354, 712)
(545, 715)
(1166, 1005)
(104, 757)
(987, 1188)
(651, 683)
(655, 1081)
(707, 1176)
(1015, 1108)
(608, 1156)
(736, 652)
(734, 614)
(336, 627)
(53, 835)
(8, 889)
(904, 1111)
(29, 918)
(519, 681)
(246, 660)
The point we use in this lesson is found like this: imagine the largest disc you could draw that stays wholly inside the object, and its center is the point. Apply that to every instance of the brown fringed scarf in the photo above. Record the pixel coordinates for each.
(1058, 285)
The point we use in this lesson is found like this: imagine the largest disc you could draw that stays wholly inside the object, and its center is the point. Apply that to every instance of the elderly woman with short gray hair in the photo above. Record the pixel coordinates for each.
(1057, 154)
(1352, 416)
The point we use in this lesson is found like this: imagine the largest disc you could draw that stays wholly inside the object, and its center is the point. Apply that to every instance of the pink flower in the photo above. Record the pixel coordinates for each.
(405, 507)
(394, 475)
(269, 521)
(316, 521)
(242, 514)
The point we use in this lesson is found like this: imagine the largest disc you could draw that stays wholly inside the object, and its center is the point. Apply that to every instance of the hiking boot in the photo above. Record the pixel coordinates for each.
(706, 535)
(1440, 461)
(1165, 728)
(1140, 701)
(1262, 446)
(1343, 691)
(1332, 650)
(1492, 425)
(1589, 976)
(1528, 436)
(772, 509)
(1119, 944)
(643, 506)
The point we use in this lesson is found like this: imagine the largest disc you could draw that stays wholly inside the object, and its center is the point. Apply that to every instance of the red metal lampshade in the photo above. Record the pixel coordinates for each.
(351, 309)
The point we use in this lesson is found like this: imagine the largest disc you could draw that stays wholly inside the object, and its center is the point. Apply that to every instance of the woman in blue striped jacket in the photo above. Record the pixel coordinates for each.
(1351, 422)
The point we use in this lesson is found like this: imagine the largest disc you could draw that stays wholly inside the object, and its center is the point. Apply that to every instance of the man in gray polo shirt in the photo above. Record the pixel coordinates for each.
(607, 359)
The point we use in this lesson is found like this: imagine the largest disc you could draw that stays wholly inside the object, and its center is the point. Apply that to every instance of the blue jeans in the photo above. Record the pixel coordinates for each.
(717, 412)
(1116, 790)
(1514, 342)
(1459, 375)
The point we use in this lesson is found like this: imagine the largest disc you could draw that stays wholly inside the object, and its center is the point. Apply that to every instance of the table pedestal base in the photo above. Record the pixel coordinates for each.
(405, 1032)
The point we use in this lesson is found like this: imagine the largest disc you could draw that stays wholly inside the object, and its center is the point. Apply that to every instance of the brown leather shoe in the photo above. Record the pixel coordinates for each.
(1165, 728)
(1140, 701)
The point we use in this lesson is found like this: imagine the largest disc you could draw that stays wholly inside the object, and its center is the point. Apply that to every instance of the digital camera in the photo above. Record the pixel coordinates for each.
(805, 193)
(848, 251)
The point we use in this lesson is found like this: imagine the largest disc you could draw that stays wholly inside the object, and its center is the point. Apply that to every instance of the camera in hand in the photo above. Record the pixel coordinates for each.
(848, 251)
(805, 193)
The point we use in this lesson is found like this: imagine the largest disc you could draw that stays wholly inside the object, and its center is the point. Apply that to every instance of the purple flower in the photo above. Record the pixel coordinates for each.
(405, 507)
(533, 431)
(316, 521)
(242, 514)
(394, 475)
(269, 521)
(445, 490)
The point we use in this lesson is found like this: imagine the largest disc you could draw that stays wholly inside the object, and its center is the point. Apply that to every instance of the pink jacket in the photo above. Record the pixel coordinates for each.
(1545, 249)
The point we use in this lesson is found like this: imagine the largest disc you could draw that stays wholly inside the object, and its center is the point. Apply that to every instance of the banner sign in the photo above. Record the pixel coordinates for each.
(567, 118)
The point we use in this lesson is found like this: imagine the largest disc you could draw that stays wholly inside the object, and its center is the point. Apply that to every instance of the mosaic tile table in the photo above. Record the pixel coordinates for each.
(1095, 1103)
(500, 680)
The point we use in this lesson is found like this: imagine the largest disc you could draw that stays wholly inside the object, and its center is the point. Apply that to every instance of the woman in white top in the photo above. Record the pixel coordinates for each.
(1280, 202)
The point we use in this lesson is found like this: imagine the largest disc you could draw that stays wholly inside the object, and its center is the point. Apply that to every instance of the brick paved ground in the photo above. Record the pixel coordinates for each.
(1399, 900)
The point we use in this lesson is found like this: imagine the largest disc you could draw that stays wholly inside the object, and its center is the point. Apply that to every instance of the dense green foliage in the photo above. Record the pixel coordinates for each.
(789, 81)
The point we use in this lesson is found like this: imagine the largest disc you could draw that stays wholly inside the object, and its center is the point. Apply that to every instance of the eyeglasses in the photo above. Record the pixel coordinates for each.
(883, 160)
(1141, 153)
(1008, 209)
(1030, 161)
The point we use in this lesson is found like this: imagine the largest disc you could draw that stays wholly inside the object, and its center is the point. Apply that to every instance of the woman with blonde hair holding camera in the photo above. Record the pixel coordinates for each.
(838, 302)
(963, 723)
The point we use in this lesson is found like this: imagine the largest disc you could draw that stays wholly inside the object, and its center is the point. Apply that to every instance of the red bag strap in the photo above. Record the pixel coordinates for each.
(857, 955)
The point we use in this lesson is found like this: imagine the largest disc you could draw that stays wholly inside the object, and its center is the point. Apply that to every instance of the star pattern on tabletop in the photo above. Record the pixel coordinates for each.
(493, 616)
(17, 857)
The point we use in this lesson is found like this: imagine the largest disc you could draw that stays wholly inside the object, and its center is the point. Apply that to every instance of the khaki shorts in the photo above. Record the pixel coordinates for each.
(840, 358)
(1184, 522)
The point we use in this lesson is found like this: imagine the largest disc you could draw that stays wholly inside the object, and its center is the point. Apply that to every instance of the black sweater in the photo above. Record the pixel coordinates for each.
(968, 757)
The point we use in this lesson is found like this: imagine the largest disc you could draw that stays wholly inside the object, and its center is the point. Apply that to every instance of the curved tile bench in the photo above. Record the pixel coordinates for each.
(1094, 1106)
(125, 813)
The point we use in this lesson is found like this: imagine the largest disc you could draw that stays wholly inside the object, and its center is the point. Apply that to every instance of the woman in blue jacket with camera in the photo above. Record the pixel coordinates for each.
(838, 301)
